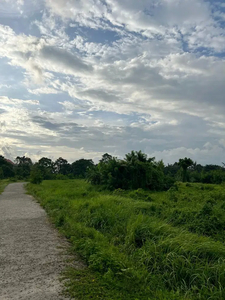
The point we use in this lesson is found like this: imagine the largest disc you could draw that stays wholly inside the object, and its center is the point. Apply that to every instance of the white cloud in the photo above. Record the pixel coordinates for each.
(16, 102)
(8, 149)
(155, 64)
(214, 155)
(63, 61)
(36, 55)
(44, 90)
(20, 8)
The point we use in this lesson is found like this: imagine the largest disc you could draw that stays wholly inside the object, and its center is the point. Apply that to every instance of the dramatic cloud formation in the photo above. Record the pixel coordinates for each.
(81, 78)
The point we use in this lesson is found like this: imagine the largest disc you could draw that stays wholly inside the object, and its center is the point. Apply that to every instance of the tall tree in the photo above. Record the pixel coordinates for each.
(137, 156)
(105, 158)
(185, 163)
(135, 171)
(46, 167)
(62, 166)
(23, 166)
(45, 162)
(23, 160)
(80, 167)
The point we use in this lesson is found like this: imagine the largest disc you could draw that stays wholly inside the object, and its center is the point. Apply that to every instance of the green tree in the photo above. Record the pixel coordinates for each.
(135, 171)
(106, 158)
(137, 156)
(185, 163)
(46, 163)
(80, 167)
(7, 167)
(1, 173)
(23, 167)
(62, 166)
(23, 160)
(8, 171)
(46, 167)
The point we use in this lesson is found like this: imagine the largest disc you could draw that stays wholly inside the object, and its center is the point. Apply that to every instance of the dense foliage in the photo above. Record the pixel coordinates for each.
(142, 245)
(6, 168)
(197, 173)
(135, 171)
(45, 169)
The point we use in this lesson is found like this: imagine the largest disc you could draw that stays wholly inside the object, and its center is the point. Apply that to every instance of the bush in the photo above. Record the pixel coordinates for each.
(140, 194)
(119, 192)
(36, 176)
(60, 177)
(136, 171)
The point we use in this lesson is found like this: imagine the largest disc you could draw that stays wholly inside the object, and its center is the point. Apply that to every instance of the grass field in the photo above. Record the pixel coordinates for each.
(141, 245)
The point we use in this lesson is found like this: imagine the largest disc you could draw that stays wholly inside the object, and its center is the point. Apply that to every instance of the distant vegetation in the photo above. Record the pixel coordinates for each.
(141, 245)
(135, 171)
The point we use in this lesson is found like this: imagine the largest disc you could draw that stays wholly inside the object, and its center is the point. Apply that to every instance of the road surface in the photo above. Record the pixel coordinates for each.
(32, 254)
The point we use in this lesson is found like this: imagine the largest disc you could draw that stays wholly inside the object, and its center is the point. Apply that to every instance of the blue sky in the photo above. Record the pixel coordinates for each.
(81, 78)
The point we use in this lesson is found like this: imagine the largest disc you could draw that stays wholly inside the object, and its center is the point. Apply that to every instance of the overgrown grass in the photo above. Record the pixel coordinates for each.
(141, 245)
(3, 184)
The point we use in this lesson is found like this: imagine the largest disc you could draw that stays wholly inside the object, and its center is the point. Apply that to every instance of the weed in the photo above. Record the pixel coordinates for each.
(140, 194)
(172, 195)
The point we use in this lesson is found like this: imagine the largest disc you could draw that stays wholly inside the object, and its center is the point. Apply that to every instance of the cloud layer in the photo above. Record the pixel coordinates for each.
(87, 77)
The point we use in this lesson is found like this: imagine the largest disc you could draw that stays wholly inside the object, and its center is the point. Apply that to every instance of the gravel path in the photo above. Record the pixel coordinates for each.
(32, 254)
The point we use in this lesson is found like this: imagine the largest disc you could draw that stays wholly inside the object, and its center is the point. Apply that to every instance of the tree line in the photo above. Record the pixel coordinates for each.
(23, 168)
(195, 172)
(135, 170)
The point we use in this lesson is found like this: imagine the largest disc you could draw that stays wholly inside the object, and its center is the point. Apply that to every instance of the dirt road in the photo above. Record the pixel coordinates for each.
(32, 255)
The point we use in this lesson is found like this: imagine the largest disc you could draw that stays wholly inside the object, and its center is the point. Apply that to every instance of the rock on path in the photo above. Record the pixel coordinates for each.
(32, 254)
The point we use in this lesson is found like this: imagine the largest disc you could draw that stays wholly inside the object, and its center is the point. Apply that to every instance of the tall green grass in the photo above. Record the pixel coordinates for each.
(3, 184)
(141, 245)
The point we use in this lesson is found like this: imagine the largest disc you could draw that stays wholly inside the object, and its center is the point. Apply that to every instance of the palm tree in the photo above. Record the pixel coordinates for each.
(185, 163)
(136, 156)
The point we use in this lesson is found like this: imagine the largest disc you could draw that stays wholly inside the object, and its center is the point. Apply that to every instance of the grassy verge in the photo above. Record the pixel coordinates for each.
(136, 244)
(3, 184)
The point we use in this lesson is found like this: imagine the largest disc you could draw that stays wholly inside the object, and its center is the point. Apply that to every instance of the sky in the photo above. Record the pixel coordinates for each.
(82, 78)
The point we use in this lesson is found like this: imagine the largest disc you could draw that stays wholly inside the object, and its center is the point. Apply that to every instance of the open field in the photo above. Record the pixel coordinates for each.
(141, 245)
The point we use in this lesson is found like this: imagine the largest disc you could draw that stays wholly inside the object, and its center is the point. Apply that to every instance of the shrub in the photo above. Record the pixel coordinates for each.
(140, 194)
(36, 176)
(134, 172)
(172, 195)
(60, 177)
(119, 192)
